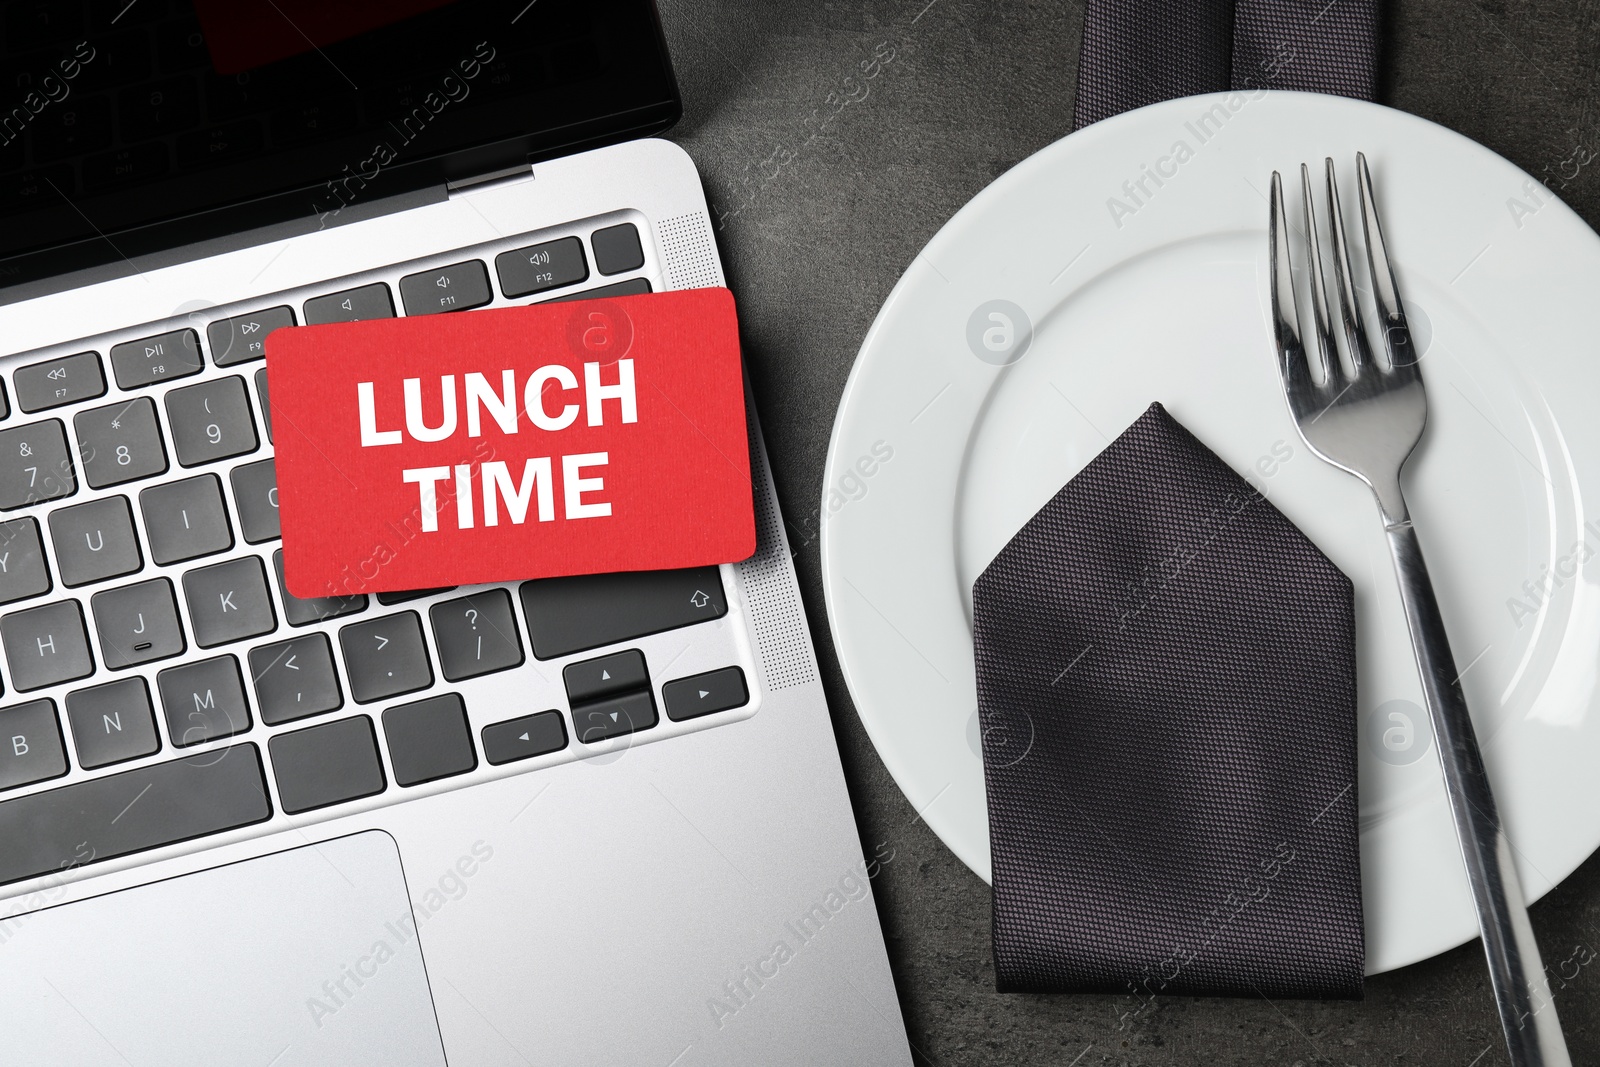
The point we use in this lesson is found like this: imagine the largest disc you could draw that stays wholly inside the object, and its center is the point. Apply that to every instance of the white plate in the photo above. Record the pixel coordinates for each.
(1159, 292)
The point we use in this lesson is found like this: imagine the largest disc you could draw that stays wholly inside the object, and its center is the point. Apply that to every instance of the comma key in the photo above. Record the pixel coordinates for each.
(35, 465)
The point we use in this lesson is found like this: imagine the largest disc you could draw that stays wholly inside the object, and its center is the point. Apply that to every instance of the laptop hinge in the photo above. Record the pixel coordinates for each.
(506, 174)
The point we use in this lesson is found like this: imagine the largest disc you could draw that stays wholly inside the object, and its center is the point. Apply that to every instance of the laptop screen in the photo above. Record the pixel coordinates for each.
(130, 126)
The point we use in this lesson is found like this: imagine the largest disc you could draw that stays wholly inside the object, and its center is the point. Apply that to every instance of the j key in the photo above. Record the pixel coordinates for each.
(156, 359)
(46, 645)
(95, 541)
(137, 623)
(211, 421)
(326, 764)
(617, 248)
(23, 571)
(120, 442)
(525, 737)
(385, 657)
(228, 601)
(613, 717)
(573, 614)
(476, 634)
(112, 723)
(300, 611)
(542, 266)
(59, 381)
(702, 694)
(243, 337)
(294, 679)
(203, 701)
(255, 493)
(366, 302)
(266, 404)
(429, 739)
(605, 676)
(30, 751)
(139, 809)
(35, 464)
(185, 519)
(453, 288)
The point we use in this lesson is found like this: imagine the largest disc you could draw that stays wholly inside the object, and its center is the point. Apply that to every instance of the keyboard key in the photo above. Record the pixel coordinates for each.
(59, 381)
(203, 701)
(429, 740)
(137, 623)
(23, 571)
(186, 519)
(326, 764)
(573, 614)
(95, 541)
(543, 266)
(5, 406)
(351, 305)
(156, 359)
(35, 465)
(617, 248)
(702, 694)
(112, 723)
(605, 676)
(243, 337)
(613, 717)
(299, 611)
(400, 596)
(295, 679)
(476, 635)
(120, 442)
(31, 750)
(525, 737)
(631, 287)
(143, 808)
(255, 494)
(211, 421)
(228, 602)
(385, 657)
(453, 288)
(266, 405)
(46, 645)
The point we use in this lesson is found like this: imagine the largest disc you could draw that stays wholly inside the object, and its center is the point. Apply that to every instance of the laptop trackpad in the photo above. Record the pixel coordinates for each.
(305, 957)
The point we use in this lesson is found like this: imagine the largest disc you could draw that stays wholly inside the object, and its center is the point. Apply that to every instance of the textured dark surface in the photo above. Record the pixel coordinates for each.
(1167, 693)
(819, 221)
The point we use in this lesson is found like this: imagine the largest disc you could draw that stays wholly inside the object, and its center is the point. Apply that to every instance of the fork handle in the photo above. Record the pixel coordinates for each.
(1527, 1010)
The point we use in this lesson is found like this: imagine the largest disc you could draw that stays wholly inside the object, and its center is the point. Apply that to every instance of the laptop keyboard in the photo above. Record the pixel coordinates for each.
(159, 664)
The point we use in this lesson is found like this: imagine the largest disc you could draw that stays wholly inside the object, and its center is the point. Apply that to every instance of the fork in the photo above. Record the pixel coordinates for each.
(1366, 420)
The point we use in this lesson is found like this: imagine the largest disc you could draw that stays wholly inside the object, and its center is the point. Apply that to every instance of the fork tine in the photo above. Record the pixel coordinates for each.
(1297, 383)
(1327, 354)
(1349, 311)
(1386, 291)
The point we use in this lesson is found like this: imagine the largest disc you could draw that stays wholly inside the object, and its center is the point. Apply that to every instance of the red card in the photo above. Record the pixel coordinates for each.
(496, 445)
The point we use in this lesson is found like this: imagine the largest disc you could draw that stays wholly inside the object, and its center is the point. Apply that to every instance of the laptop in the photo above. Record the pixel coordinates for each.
(570, 821)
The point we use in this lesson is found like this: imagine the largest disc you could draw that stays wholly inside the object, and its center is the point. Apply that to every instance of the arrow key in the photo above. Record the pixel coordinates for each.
(524, 737)
(702, 694)
(295, 679)
(605, 676)
(610, 718)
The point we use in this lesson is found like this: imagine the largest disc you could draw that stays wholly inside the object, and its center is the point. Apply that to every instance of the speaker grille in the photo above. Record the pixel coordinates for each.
(690, 251)
(769, 585)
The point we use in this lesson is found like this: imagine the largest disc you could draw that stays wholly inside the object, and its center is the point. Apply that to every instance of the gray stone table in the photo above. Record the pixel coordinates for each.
(815, 233)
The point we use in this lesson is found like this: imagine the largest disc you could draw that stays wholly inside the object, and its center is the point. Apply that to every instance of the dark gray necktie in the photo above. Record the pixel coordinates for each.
(1138, 52)
(1166, 690)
